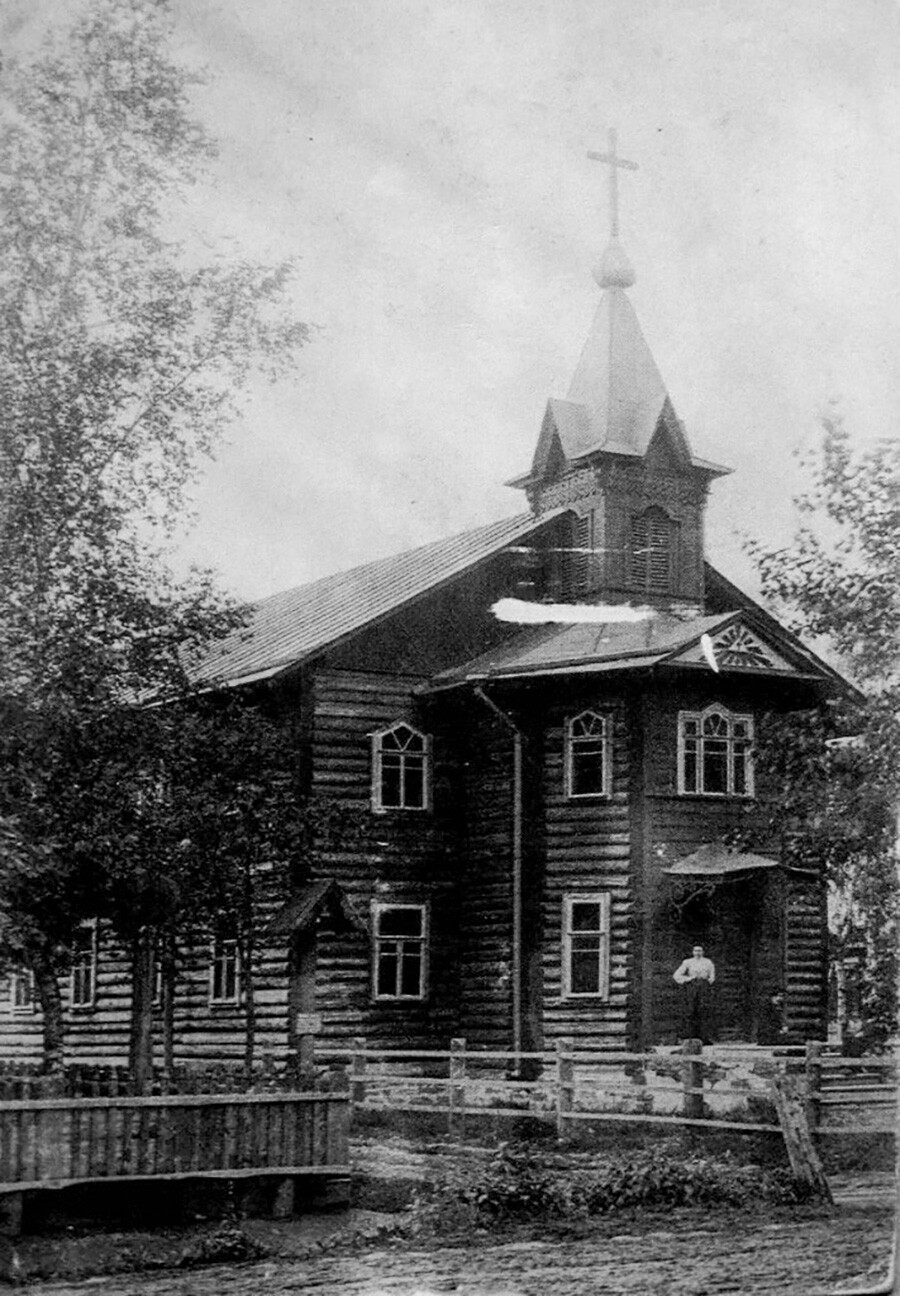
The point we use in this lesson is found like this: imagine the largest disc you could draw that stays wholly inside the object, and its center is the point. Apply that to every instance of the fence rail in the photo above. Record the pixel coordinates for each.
(22, 1080)
(713, 1088)
(57, 1142)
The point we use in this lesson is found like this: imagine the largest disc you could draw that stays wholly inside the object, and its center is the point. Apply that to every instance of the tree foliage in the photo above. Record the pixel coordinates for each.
(121, 362)
(836, 773)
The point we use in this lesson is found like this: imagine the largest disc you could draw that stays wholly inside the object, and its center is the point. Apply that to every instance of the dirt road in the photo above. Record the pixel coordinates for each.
(690, 1255)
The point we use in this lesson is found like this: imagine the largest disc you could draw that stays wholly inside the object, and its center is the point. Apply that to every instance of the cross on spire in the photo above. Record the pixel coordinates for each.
(613, 161)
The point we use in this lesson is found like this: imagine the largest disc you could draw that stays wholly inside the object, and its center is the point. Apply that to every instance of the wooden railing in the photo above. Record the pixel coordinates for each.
(693, 1086)
(57, 1142)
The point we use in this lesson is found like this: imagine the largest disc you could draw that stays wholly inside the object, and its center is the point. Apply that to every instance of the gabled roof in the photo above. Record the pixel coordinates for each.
(590, 648)
(721, 593)
(302, 910)
(288, 628)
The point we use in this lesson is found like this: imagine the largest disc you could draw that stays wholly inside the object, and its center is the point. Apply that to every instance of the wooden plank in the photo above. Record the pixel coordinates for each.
(805, 1163)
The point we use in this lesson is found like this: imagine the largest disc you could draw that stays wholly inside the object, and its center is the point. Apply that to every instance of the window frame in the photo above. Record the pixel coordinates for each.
(732, 718)
(603, 899)
(219, 957)
(570, 745)
(21, 974)
(377, 771)
(86, 1004)
(423, 942)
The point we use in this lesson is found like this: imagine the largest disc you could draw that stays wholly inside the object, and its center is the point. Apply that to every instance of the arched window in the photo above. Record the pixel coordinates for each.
(400, 769)
(652, 551)
(587, 755)
(714, 753)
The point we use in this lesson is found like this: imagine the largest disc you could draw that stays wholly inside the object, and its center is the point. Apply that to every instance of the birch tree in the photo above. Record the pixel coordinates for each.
(122, 361)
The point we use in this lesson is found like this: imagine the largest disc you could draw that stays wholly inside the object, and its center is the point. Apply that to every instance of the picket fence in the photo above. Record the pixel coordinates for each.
(60, 1142)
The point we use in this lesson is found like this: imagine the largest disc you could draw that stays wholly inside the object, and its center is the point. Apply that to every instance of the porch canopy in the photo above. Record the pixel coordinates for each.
(309, 902)
(715, 859)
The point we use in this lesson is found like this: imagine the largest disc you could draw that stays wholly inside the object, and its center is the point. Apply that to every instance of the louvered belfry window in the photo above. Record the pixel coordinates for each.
(651, 551)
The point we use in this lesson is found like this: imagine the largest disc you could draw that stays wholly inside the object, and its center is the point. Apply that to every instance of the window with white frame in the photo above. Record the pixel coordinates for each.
(83, 976)
(587, 755)
(714, 753)
(22, 994)
(585, 946)
(400, 947)
(224, 970)
(400, 769)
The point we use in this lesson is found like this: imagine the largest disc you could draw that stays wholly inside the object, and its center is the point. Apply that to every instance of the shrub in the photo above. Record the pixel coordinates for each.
(514, 1187)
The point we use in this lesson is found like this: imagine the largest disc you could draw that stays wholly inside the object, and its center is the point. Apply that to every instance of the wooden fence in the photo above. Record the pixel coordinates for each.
(53, 1143)
(20, 1081)
(709, 1088)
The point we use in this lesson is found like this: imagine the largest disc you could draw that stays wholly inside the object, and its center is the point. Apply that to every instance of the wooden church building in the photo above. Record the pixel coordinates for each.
(552, 810)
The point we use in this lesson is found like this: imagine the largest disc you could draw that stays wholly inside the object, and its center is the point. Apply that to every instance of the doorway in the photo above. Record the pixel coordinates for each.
(735, 919)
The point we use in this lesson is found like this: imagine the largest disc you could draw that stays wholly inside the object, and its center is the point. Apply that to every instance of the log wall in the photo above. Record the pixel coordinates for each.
(746, 927)
(486, 924)
(395, 856)
(588, 849)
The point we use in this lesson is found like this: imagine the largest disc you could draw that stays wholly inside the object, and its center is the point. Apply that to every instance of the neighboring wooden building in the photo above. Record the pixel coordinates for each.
(549, 816)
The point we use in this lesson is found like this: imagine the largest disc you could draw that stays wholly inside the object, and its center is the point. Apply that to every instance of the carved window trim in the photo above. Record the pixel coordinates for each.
(401, 768)
(587, 735)
(715, 753)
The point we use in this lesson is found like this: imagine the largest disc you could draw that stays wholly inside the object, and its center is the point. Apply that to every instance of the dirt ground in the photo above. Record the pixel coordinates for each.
(809, 1250)
(687, 1254)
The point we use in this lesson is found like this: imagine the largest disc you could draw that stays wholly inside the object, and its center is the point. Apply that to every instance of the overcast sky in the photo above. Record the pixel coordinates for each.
(425, 161)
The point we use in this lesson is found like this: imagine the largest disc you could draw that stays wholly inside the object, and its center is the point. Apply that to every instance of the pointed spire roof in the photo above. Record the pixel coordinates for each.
(617, 401)
(617, 383)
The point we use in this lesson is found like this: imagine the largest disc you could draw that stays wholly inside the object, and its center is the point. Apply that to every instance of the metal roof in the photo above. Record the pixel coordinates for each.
(617, 398)
(554, 649)
(715, 859)
(616, 381)
(288, 628)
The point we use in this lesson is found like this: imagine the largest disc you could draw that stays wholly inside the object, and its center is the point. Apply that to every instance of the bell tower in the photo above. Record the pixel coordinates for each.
(615, 453)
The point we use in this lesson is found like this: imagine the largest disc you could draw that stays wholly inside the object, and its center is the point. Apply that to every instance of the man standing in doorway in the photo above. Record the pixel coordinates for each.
(697, 974)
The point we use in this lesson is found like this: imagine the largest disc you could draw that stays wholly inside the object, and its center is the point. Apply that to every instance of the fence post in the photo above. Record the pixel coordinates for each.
(801, 1149)
(565, 1082)
(813, 1085)
(358, 1072)
(457, 1094)
(692, 1078)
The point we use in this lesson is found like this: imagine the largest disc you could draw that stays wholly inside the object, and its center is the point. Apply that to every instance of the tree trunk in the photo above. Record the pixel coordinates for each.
(140, 1045)
(249, 1008)
(169, 973)
(50, 998)
(247, 972)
